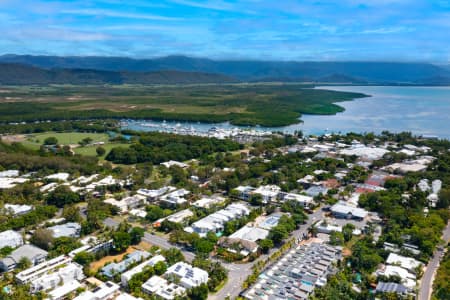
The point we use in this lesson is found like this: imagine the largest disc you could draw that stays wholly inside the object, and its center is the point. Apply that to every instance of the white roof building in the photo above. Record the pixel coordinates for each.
(269, 193)
(188, 276)
(106, 291)
(250, 233)
(216, 221)
(161, 287)
(303, 200)
(10, 238)
(369, 153)
(180, 216)
(208, 202)
(155, 194)
(61, 291)
(125, 296)
(59, 176)
(17, 209)
(176, 197)
(138, 212)
(407, 263)
(407, 278)
(342, 210)
(51, 280)
(127, 203)
(9, 173)
(172, 163)
(30, 274)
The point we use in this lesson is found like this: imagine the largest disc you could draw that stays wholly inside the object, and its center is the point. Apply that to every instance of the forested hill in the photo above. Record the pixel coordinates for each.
(20, 74)
(252, 70)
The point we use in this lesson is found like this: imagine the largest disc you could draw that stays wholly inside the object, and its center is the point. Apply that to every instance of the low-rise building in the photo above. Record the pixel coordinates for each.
(392, 287)
(187, 275)
(57, 277)
(343, 210)
(17, 210)
(105, 291)
(208, 202)
(92, 245)
(216, 221)
(127, 203)
(175, 198)
(154, 195)
(10, 238)
(178, 217)
(125, 277)
(407, 263)
(39, 270)
(112, 269)
(407, 278)
(269, 193)
(305, 201)
(70, 229)
(61, 292)
(161, 287)
(34, 254)
(172, 163)
(244, 192)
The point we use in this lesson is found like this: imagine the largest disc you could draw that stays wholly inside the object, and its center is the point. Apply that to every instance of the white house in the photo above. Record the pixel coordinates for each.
(187, 275)
(407, 263)
(51, 280)
(269, 193)
(105, 291)
(161, 287)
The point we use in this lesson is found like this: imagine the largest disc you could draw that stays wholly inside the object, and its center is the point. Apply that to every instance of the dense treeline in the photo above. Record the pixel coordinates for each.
(159, 147)
(441, 285)
(83, 126)
(262, 104)
(16, 156)
(39, 214)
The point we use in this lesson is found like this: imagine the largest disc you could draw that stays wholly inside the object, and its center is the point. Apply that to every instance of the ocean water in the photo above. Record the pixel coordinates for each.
(421, 110)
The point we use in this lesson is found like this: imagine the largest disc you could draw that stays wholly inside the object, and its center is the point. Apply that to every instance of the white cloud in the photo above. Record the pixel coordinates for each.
(118, 14)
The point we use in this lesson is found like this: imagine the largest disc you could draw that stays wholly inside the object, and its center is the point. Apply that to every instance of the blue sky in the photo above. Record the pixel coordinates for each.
(404, 30)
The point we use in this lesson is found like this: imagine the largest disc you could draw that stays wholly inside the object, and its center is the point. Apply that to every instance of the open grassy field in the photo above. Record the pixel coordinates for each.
(65, 138)
(90, 150)
(34, 141)
(241, 104)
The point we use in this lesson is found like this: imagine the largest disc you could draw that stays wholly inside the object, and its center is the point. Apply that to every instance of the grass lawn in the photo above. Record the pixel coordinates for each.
(90, 150)
(65, 138)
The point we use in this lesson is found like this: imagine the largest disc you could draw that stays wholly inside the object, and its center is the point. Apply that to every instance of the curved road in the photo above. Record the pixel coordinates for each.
(426, 284)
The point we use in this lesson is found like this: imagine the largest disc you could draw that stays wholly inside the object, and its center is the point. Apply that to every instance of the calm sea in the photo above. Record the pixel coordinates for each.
(421, 110)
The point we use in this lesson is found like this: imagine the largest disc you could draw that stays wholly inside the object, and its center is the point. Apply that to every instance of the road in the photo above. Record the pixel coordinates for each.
(426, 284)
(164, 244)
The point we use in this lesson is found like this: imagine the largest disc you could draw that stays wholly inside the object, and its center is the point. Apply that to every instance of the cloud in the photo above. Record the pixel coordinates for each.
(118, 14)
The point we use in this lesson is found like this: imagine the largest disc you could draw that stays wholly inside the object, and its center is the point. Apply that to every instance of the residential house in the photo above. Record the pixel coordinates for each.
(34, 254)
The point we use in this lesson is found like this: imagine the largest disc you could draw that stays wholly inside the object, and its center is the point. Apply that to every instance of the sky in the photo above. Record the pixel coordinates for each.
(320, 30)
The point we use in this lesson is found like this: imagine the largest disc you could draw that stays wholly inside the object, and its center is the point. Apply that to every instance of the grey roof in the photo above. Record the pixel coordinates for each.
(27, 250)
(390, 287)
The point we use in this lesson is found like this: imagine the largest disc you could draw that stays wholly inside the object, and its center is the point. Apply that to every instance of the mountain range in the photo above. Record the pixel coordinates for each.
(182, 69)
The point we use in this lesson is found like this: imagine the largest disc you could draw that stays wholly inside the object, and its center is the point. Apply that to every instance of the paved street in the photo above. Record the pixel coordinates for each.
(164, 244)
(426, 284)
